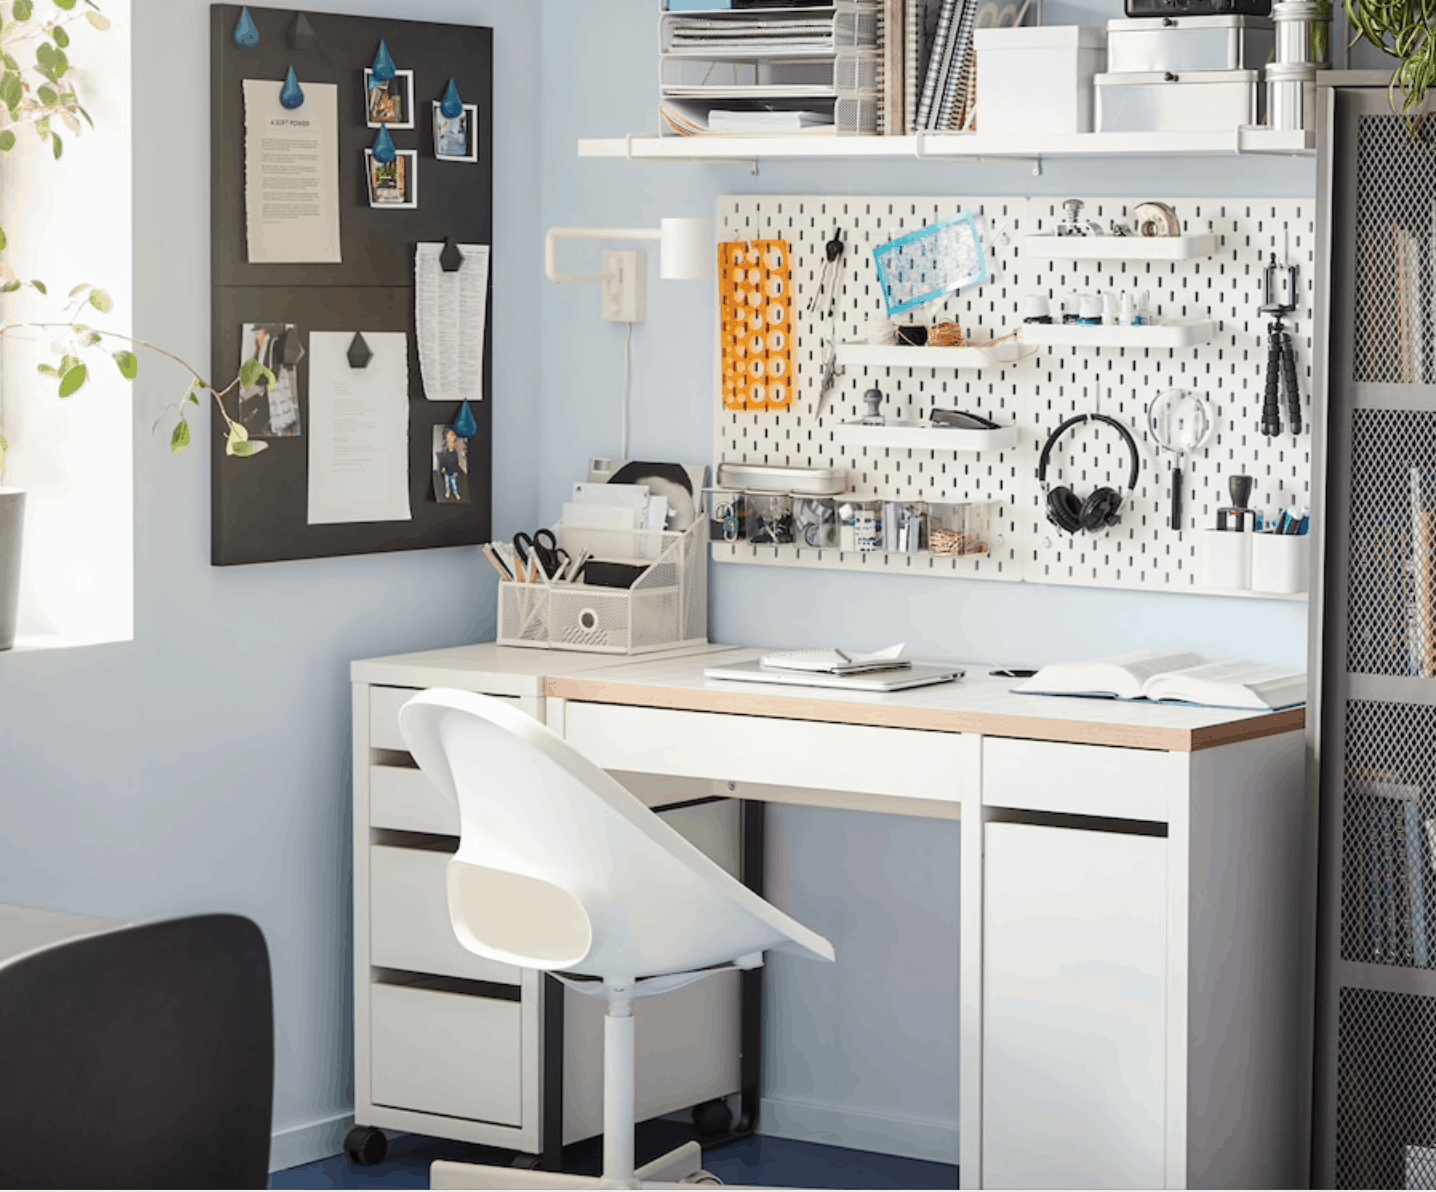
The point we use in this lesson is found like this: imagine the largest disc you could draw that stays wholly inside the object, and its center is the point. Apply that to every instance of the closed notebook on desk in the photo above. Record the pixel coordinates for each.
(920, 674)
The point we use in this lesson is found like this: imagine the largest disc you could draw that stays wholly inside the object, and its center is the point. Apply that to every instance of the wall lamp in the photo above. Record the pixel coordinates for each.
(685, 253)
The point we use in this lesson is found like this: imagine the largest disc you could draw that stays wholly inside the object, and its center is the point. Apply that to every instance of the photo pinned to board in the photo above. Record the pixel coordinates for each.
(393, 184)
(456, 138)
(451, 466)
(389, 103)
(270, 409)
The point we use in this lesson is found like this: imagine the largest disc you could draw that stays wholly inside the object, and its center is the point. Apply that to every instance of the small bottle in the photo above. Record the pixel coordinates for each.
(1091, 311)
(1127, 314)
(1144, 309)
(1109, 309)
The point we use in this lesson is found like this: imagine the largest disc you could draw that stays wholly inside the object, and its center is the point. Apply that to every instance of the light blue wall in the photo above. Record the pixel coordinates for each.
(206, 765)
(600, 79)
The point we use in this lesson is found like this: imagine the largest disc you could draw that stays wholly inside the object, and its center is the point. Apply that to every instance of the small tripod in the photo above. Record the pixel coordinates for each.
(1280, 358)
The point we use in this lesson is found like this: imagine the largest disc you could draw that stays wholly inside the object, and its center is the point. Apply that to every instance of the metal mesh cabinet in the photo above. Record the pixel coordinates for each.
(1375, 651)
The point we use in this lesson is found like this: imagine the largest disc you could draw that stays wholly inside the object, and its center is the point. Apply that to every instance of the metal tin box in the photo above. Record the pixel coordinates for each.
(1037, 78)
(1189, 43)
(1168, 102)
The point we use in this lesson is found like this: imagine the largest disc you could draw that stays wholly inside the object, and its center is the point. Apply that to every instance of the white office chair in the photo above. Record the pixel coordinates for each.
(561, 869)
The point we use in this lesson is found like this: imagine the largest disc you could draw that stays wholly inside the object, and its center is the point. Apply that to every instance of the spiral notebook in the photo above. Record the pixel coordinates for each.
(917, 674)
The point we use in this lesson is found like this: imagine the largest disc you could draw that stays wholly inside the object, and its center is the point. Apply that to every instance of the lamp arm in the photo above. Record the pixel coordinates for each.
(556, 234)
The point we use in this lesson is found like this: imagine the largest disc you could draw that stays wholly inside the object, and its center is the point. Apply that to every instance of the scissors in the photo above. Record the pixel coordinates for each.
(544, 548)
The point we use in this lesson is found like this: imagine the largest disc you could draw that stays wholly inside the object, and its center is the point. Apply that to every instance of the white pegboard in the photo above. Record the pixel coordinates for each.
(1043, 387)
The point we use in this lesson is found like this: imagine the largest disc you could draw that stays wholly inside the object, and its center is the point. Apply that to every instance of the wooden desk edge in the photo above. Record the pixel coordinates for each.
(988, 724)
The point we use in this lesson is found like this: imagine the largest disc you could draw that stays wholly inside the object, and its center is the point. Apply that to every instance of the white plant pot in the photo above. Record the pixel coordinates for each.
(12, 525)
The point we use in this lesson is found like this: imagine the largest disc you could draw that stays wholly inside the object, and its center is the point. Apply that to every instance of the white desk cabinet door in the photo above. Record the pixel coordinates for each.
(1074, 1010)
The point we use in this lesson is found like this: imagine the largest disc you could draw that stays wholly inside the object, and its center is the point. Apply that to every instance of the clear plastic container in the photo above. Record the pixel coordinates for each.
(904, 527)
(860, 524)
(727, 514)
(957, 529)
(770, 518)
(815, 520)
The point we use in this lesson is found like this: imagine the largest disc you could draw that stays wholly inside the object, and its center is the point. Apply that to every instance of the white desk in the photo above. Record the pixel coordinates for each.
(1135, 992)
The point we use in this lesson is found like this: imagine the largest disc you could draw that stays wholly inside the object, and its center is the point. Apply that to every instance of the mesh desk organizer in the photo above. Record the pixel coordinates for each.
(666, 606)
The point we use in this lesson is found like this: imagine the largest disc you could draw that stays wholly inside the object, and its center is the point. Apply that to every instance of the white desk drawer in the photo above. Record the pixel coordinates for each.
(384, 705)
(1078, 779)
(403, 799)
(445, 1053)
(796, 753)
(409, 919)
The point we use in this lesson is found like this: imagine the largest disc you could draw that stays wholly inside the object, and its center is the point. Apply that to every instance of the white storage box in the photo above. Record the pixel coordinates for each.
(1165, 102)
(1189, 43)
(666, 606)
(1037, 79)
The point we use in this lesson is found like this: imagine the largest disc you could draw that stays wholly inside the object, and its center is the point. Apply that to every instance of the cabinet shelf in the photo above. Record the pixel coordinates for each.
(919, 437)
(1120, 248)
(897, 356)
(1162, 335)
(1246, 140)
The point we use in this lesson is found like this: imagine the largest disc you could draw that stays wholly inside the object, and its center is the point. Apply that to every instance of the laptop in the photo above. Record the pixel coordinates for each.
(920, 674)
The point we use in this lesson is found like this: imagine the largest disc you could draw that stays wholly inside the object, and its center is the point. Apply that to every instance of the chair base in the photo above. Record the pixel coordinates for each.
(673, 1170)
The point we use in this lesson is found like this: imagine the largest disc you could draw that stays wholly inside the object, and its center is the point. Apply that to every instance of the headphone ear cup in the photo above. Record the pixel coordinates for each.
(1064, 510)
(1101, 509)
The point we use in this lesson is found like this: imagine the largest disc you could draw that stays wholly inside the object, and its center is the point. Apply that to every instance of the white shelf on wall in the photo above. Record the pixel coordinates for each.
(1246, 140)
(1120, 248)
(919, 437)
(898, 356)
(1161, 335)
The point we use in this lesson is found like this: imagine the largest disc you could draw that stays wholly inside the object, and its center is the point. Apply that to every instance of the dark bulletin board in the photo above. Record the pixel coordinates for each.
(260, 503)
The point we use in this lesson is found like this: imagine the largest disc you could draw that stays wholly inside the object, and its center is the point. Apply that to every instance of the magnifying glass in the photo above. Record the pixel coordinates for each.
(1180, 422)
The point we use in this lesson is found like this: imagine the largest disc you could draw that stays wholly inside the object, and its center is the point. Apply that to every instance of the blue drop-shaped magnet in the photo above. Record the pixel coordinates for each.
(451, 105)
(383, 67)
(246, 35)
(384, 150)
(290, 95)
(464, 425)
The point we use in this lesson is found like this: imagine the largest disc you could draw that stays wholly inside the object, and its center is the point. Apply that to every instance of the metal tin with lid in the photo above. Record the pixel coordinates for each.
(1189, 43)
(1165, 101)
(775, 478)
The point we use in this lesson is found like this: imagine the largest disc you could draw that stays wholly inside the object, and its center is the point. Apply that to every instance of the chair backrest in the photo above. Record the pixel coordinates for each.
(139, 1058)
(560, 868)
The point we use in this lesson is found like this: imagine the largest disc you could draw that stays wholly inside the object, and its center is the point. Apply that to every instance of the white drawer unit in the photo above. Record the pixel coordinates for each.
(401, 798)
(1079, 779)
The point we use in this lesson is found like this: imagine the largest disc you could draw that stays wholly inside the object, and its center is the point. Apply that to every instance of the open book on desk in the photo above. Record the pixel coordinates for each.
(1173, 678)
(837, 662)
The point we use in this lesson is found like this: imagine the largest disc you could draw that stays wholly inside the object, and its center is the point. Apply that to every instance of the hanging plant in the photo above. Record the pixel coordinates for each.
(1403, 29)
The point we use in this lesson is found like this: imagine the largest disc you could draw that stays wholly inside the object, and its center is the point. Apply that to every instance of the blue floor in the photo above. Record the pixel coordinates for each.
(776, 1162)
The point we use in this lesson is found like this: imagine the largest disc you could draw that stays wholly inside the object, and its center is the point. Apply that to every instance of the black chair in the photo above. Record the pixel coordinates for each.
(139, 1058)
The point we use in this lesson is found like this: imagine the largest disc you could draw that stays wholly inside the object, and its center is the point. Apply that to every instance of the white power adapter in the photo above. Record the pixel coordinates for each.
(624, 299)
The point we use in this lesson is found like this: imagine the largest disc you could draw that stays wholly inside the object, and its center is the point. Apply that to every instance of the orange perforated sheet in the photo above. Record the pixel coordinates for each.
(760, 332)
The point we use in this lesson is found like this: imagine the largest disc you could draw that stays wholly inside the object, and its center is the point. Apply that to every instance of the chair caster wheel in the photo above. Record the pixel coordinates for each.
(713, 1117)
(366, 1146)
(702, 1177)
(527, 1162)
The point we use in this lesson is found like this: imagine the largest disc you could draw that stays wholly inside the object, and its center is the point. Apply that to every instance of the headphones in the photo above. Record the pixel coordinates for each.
(1065, 509)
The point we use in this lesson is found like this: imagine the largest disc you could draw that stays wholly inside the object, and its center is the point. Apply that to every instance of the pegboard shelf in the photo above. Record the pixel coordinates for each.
(918, 437)
(1074, 335)
(897, 356)
(1120, 248)
(1243, 141)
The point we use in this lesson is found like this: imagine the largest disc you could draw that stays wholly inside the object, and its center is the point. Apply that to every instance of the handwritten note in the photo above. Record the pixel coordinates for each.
(450, 310)
(358, 429)
(291, 174)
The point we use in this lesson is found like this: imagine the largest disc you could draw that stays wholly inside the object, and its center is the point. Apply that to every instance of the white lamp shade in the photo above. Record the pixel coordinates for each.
(685, 250)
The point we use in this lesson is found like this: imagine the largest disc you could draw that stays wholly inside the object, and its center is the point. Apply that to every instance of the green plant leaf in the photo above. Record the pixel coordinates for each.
(180, 439)
(101, 301)
(98, 20)
(9, 60)
(67, 5)
(193, 397)
(12, 90)
(249, 373)
(92, 340)
(70, 383)
(48, 370)
(59, 145)
(23, 10)
(42, 128)
(45, 55)
(39, 285)
(80, 289)
(9, 287)
(8, 141)
(4, 240)
(246, 449)
(129, 365)
(237, 433)
(48, 96)
(62, 39)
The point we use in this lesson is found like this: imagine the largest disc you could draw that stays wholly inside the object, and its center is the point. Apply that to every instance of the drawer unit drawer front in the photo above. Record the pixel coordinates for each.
(798, 753)
(409, 919)
(446, 1053)
(405, 800)
(384, 705)
(1079, 779)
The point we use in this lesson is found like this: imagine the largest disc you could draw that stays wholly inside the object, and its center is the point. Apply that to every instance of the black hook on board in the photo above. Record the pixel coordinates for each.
(359, 352)
(451, 259)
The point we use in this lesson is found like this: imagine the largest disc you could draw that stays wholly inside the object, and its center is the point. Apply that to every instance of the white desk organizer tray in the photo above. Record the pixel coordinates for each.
(1209, 337)
(666, 606)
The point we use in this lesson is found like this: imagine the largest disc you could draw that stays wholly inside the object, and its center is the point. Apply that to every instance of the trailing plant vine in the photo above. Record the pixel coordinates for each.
(41, 94)
(1403, 29)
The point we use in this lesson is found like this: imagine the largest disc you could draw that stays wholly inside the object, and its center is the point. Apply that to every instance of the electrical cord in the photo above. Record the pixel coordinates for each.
(623, 407)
